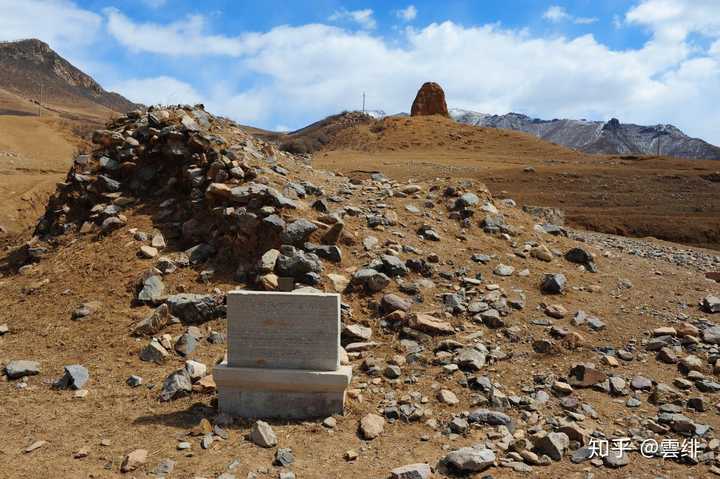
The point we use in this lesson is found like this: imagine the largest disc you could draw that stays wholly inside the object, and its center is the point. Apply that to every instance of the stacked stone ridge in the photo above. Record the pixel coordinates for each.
(283, 356)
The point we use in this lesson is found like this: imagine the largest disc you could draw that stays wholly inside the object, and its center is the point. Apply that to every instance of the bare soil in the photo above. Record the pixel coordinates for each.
(37, 307)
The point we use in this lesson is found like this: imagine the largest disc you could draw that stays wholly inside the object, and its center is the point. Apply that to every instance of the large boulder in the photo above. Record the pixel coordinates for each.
(430, 100)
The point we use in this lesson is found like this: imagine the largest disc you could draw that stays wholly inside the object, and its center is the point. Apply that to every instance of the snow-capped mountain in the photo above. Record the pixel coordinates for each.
(610, 137)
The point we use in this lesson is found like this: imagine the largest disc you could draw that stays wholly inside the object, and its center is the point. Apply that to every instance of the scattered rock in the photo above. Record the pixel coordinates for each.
(263, 435)
(20, 368)
(75, 378)
(553, 283)
(470, 459)
(176, 385)
(371, 426)
(133, 460)
(411, 471)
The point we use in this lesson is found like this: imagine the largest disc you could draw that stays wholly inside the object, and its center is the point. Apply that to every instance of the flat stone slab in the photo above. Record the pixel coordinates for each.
(281, 393)
(283, 330)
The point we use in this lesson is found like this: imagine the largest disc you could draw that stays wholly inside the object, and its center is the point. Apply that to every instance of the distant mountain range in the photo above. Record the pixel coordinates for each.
(32, 70)
(610, 137)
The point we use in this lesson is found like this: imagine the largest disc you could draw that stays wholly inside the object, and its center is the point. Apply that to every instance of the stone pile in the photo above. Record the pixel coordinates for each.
(211, 196)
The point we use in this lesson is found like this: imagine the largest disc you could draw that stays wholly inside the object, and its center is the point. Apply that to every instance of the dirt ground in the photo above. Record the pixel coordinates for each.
(35, 154)
(114, 419)
(37, 308)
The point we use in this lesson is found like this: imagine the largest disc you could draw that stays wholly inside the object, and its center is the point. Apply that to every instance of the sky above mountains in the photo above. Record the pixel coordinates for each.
(281, 64)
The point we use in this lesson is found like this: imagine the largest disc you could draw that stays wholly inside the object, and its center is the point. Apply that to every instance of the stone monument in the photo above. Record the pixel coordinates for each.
(283, 356)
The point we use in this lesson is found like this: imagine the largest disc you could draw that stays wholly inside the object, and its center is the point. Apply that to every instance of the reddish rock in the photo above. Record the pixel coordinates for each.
(430, 100)
(585, 376)
(429, 325)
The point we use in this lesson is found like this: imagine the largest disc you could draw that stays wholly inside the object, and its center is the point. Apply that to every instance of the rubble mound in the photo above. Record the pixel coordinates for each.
(206, 193)
(430, 100)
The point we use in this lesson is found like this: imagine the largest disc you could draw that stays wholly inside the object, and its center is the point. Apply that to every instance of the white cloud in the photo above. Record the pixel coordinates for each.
(183, 37)
(673, 20)
(557, 14)
(585, 20)
(407, 14)
(162, 89)
(60, 23)
(302, 73)
(715, 48)
(291, 75)
(364, 18)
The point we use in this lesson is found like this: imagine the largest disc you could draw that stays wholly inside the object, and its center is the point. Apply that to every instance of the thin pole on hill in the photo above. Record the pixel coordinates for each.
(363, 102)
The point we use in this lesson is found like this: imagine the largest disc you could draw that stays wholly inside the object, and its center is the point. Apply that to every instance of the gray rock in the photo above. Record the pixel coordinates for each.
(616, 458)
(581, 455)
(595, 323)
(392, 371)
(111, 224)
(327, 252)
(195, 308)
(711, 335)
(298, 231)
(154, 323)
(352, 333)
(553, 283)
(200, 253)
(263, 435)
(470, 359)
(283, 457)
(134, 381)
(371, 279)
(579, 256)
(411, 471)
(711, 304)
(86, 310)
(260, 195)
(470, 459)
(490, 417)
(295, 263)
(176, 385)
(154, 352)
(393, 266)
(152, 289)
(75, 377)
(370, 242)
(553, 445)
(186, 344)
(466, 200)
(165, 467)
(504, 270)
(216, 337)
(393, 302)
(21, 368)
(641, 383)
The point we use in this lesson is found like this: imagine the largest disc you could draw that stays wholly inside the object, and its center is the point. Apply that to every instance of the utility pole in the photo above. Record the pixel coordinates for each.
(363, 110)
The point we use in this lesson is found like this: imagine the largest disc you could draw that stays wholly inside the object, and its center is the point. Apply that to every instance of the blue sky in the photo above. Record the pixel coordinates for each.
(279, 65)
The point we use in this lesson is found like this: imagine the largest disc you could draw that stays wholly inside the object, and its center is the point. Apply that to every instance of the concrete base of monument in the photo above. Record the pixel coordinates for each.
(281, 393)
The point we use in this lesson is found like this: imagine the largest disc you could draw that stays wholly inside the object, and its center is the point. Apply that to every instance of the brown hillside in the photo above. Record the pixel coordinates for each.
(30, 68)
(668, 198)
